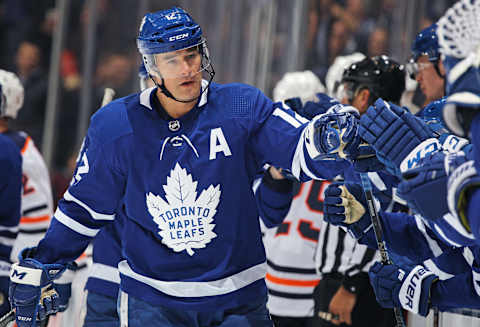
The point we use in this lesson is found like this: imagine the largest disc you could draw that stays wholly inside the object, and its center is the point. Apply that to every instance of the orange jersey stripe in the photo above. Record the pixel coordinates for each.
(292, 282)
(27, 140)
(34, 220)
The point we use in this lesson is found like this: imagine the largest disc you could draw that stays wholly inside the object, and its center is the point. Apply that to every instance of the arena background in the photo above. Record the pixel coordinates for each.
(67, 51)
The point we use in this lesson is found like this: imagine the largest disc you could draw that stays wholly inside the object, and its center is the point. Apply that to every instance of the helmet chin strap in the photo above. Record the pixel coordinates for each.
(171, 96)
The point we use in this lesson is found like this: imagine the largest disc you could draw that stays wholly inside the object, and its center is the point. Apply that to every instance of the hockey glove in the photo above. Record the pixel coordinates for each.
(461, 183)
(407, 288)
(429, 178)
(31, 291)
(312, 108)
(366, 160)
(63, 286)
(333, 135)
(345, 205)
(395, 133)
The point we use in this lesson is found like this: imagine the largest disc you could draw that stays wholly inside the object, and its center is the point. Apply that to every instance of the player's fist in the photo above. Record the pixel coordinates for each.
(345, 205)
(31, 291)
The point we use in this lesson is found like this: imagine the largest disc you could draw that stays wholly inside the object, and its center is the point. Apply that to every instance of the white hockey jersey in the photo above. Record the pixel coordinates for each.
(290, 249)
(37, 201)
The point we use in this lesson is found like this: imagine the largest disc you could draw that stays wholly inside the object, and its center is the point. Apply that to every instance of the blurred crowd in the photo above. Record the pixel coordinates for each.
(333, 28)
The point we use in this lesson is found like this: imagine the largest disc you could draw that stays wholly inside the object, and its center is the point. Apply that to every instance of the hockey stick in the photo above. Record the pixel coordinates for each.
(10, 317)
(7, 318)
(377, 228)
(108, 95)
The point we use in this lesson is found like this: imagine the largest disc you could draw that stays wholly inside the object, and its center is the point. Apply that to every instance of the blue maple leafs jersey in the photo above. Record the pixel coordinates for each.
(10, 200)
(458, 268)
(191, 236)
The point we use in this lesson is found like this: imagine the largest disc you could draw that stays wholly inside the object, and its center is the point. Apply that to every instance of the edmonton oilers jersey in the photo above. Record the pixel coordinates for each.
(191, 237)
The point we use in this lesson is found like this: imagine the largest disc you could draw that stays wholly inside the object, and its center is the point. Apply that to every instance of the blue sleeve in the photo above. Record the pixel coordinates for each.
(462, 286)
(94, 194)
(273, 198)
(10, 198)
(277, 138)
(407, 236)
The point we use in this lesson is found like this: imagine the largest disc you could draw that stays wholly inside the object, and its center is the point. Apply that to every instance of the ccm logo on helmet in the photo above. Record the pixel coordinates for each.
(178, 37)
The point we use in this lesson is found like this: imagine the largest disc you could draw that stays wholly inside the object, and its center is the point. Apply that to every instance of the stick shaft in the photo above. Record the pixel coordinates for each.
(377, 228)
(7, 318)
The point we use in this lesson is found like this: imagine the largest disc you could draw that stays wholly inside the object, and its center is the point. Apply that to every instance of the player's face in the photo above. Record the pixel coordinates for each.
(431, 84)
(355, 96)
(181, 72)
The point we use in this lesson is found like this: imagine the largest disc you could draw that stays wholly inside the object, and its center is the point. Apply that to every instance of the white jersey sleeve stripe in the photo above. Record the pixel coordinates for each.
(105, 272)
(95, 215)
(9, 229)
(432, 244)
(7, 241)
(298, 163)
(285, 116)
(442, 275)
(74, 225)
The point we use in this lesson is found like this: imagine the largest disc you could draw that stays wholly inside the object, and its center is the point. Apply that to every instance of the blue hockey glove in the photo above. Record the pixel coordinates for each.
(31, 291)
(407, 288)
(366, 160)
(461, 182)
(394, 133)
(63, 286)
(333, 135)
(345, 205)
(429, 179)
(312, 108)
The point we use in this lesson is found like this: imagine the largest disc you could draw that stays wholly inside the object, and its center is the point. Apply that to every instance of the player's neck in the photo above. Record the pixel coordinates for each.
(3, 125)
(174, 108)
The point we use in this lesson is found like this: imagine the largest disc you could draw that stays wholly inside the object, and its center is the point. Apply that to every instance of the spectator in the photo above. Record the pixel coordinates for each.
(378, 42)
(35, 82)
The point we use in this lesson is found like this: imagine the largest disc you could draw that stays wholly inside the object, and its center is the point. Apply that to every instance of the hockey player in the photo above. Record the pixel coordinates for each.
(37, 202)
(10, 186)
(103, 282)
(415, 287)
(425, 65)
(344, 291)
(185, 254)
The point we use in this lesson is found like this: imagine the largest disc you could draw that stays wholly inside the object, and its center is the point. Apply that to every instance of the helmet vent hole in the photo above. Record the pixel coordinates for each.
(173, 26)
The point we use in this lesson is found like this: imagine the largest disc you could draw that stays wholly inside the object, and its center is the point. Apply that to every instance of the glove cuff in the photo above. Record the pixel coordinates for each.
(428, 146)
(415, 290)
(462, 180)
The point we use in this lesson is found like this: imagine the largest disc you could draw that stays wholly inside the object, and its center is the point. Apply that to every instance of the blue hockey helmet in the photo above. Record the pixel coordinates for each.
(168, 30)
(426, 44)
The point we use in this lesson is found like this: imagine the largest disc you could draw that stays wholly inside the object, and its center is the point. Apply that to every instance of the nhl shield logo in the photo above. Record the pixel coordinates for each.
(185, 220)
(174, 125)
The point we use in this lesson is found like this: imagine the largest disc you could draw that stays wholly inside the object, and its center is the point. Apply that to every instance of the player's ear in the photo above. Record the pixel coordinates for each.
(363, 100)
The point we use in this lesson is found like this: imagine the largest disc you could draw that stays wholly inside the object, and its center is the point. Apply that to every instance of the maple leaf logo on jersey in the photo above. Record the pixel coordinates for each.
(185, 221)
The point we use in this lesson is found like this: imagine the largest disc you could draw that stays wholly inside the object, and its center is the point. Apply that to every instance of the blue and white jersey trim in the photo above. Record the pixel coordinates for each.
(95, 215)
(74, 225)
(199, 289)
(105, 272)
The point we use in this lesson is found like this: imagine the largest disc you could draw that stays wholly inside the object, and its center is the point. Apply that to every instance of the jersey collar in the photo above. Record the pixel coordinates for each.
(145, 96)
